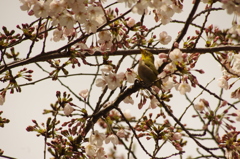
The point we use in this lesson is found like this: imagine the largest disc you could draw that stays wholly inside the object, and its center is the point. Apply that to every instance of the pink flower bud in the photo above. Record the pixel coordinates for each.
(177, 136)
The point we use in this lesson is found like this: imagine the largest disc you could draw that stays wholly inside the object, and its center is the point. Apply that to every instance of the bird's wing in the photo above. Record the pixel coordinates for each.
(152, 67)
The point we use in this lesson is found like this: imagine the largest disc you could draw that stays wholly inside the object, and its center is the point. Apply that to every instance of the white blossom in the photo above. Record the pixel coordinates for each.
(168, 84)
(68, 109)
(128, 99)
(97, 138)
(112, 138)
(101, 82)
(184, 88)
(90, 26)
(90, 149)
(176, 55)
(130, 75)
(112, 81)
(41, 9)
(171, 67)
(56, 7)
(223, 83)
(153, 103)
(200, 106)
(84, 93)
(57, 35)
(100, 153)
(164, 38)
(26, 4)
(121, 133)
(67, 20)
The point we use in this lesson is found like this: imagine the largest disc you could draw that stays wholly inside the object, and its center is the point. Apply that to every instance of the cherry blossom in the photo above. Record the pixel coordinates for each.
(95, 12)
(90, 26)
(84, 93)
(41, 9)
(168, 84)
(90, 149)
(166, 9)
(141, 7)
(236, 66)
(223, 83)
(100, 154)
(97, 138)
(114, 80)
(130, 75)
(184, 88)
(101, 82)
(81, 15)
(82, 47)
(56, 7)
(121, 133)
(68, 109)
(69, 32)
(230, 6)
(76, 5)
(161, 15)
(176, 55)
(104, 36)
(26, 4)
(200, 106)
(228, 154)
(171, 67)
(153, 103)
(128, 99)
(235, 29)
(67, 20)
(112, 138)
(57, 35)
(164, 38)
(107, 68)
(105, 40)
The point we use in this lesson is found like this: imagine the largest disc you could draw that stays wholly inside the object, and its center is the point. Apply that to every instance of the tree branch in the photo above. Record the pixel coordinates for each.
(55, 54)
(91, 122)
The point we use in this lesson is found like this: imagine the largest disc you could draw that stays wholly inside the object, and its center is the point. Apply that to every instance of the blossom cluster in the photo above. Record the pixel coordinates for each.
(114, 80)
(163, 10)
(178, 64)
(67, 13)
(67, 16)
(94, 148)
(230, 69)
(232, 6)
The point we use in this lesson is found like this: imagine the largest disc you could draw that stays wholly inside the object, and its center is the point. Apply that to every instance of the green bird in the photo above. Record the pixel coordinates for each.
(147, 70)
